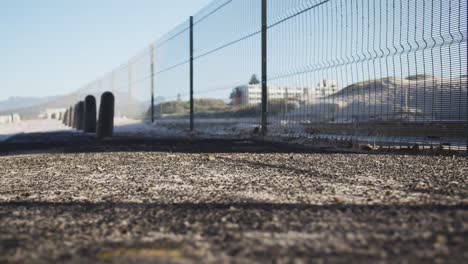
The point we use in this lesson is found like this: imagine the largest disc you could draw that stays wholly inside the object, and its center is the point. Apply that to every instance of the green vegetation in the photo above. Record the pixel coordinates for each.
(205, 105)
(254, 80)
(216, 108)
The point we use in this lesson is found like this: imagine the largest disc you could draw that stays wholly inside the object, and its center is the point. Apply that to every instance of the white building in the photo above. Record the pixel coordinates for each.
(252, 94)
(5, 119)
(16, 118)
(11, 118)
(53, 113)
(325, 88)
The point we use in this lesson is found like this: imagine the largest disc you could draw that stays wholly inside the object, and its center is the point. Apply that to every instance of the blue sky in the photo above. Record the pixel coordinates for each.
(52, 47)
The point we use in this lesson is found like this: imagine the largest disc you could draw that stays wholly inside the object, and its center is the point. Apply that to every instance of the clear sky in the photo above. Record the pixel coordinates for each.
(52, 47)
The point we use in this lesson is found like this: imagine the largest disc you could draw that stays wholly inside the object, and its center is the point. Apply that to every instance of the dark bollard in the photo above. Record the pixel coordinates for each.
(80, 116)
(70, 117)
(105, 126)
(90, 114)
(75, 115)
(65, 118)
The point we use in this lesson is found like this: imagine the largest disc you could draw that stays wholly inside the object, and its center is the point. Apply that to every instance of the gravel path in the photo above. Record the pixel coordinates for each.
(223, 202)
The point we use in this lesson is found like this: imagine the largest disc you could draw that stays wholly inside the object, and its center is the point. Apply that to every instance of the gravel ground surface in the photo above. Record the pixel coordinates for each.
(241, 202)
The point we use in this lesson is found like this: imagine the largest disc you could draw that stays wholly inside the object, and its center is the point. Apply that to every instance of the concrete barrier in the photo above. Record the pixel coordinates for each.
(70, 117)
(90, 114)
(65, 118)
(106, 116)
(80, 108)
(75, 114)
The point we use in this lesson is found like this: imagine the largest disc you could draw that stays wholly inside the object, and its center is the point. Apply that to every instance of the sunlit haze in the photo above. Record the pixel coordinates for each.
(53, 47)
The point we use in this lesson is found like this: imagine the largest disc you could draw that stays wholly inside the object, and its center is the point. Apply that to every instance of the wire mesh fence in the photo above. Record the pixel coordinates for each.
(380, 72)
(171, 81)
(386, 72)
(227, 37)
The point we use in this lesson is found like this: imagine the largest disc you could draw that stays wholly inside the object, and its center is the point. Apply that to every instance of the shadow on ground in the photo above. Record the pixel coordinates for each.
(63, 142)
(122, 232)
(73, 142)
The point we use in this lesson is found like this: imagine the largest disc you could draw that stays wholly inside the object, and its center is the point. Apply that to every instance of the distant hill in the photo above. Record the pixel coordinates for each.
(420, 97)
(205, 105)
(18, 102)
(123, 106)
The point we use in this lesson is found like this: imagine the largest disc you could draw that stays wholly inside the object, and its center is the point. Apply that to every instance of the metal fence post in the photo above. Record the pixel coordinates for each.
(129, 102)
(264, 69)
(191, 75)
(152, 82)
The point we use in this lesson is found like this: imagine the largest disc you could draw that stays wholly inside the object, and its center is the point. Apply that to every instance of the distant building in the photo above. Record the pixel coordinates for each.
(325, 88)
(11, 118)
(52, 113)
(252, 94)
(15, 118)
(5, 119)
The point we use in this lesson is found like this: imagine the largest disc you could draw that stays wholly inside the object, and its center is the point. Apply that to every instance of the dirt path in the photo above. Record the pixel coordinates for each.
(169, 204)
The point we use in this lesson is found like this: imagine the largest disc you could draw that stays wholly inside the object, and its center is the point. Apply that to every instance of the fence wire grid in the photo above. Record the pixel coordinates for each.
(380, 72)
